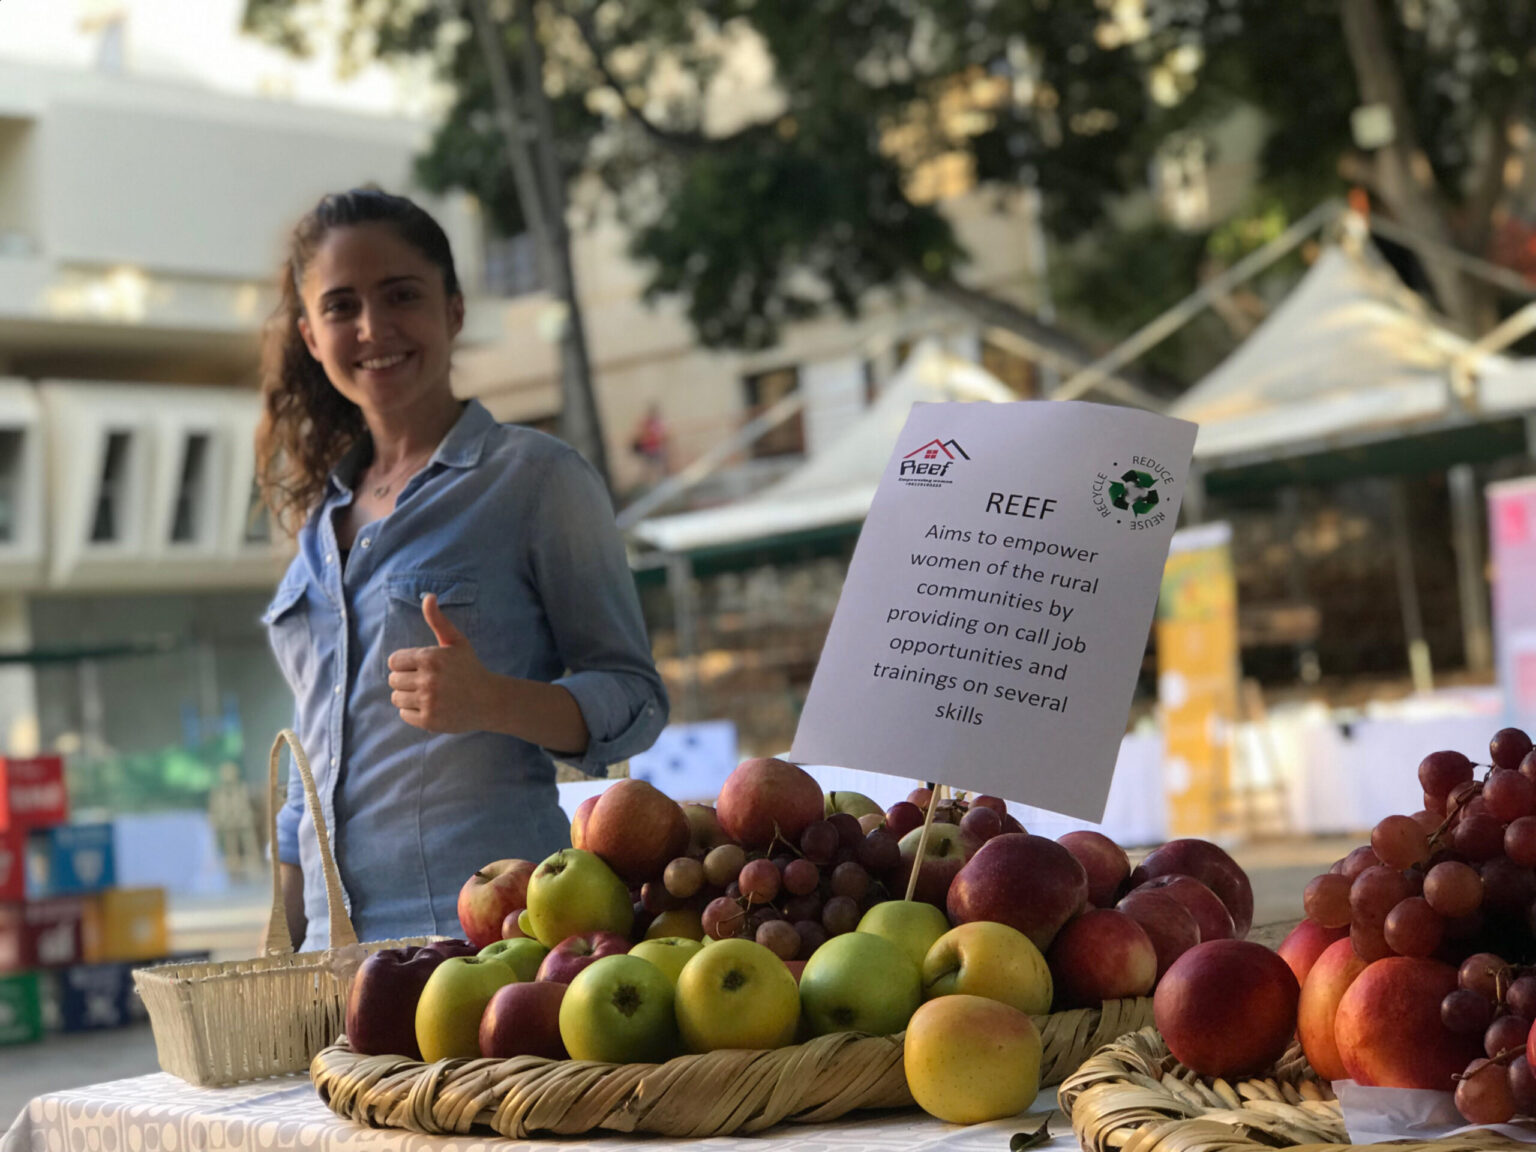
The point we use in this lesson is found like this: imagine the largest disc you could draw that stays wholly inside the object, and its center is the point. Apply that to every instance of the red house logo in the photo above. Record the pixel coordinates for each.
(928, 464)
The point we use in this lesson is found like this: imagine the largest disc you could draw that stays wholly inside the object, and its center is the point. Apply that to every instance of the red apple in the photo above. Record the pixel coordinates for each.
(1210, 913)
(489, 895)
(1389, 1031)
(574, 953)
(1101, 955)
(1028, 882)
(381, 1005)
(1011, 824)
(448, 949)
(579, 821)
(1105, 862)
(1211, 866)
(1227, 1008)
(903, 816)
(637, 829)
(1325, 985)
(1304, 943)
(1168, 924)
(524, 1020)
(943, 858)
(766, 798)
(511, 928)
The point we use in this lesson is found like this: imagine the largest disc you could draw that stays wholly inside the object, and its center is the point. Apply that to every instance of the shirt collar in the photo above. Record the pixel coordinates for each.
(461, 448)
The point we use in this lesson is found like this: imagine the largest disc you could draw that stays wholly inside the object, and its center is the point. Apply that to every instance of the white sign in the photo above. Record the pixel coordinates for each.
(999, 601)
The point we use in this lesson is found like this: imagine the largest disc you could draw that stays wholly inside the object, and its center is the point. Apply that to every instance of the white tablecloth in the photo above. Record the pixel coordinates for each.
(160, 1113)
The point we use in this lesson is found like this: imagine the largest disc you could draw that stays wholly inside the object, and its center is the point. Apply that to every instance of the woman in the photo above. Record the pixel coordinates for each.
(460, 610)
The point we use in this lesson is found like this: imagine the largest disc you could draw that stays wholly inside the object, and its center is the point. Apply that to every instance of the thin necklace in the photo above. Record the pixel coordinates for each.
(382, 490)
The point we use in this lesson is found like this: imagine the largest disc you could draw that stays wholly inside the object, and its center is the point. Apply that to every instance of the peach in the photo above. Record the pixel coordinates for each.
(1304, 944)
(1389, 1031)
(1325, 985)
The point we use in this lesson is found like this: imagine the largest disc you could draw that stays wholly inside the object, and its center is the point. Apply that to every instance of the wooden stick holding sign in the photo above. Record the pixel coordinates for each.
(922, 839)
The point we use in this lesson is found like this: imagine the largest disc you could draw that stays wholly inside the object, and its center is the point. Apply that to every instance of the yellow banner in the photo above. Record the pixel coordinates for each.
(1197, 662)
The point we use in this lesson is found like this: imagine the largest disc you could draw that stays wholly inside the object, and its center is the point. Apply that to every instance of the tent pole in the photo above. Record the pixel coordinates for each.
(1407, 590)
(1467, 540)
(1160, 328)
(685, 623)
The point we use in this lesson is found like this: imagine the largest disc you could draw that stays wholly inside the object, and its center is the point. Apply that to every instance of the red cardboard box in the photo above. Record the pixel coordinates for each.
(32, 792)
(42, 934)
(13, 865)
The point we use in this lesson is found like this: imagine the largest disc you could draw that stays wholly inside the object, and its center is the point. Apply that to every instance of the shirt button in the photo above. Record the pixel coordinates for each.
(329, 559)
(337, 690)
(333, 761)
(365, 541)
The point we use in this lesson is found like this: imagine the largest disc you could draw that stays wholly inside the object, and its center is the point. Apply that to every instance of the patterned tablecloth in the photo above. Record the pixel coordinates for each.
(160, 1113)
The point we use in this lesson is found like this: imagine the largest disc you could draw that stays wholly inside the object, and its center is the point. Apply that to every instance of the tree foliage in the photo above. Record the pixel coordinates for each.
(810, 202)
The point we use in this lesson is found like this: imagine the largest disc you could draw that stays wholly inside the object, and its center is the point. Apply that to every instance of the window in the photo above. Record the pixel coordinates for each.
(511, 265)
(11, 442)
(1017, 372)
(786, 438)
(191, 490)
(106, 524)
(258, 520)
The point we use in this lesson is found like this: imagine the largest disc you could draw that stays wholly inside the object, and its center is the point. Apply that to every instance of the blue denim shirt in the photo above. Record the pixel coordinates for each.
(514, 532)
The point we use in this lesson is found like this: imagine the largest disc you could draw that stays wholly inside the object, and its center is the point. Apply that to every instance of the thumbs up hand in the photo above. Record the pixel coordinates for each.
(441, 689)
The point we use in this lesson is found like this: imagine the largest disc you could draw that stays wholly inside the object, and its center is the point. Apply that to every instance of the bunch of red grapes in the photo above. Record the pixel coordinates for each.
(1456, 881)
(794, 897)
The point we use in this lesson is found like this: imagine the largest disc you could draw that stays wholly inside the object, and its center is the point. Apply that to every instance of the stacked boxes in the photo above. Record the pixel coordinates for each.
(69, 936)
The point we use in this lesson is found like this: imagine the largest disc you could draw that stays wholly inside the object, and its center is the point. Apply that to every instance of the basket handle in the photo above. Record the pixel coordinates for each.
(280, 941)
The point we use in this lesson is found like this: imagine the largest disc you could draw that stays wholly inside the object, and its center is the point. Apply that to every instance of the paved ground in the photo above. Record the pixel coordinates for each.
(232, 924)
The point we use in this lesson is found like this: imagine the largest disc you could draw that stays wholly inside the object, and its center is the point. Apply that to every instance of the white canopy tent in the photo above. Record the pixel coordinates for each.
(1351, 353)
(836, 486)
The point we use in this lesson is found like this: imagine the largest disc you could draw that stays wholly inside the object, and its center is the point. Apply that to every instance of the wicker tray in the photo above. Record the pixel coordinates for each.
(1133, 1096)
(221, 1023)
(693, 1096)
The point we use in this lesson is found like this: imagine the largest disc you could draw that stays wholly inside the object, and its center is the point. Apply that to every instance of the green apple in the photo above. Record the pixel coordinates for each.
(669, 953)
(448, 1013)
(985, 958)
(853, 803)
(736, 994)
(911, 925)
(573, 893)
(859, 982)
(619, 1010)
(521, 952)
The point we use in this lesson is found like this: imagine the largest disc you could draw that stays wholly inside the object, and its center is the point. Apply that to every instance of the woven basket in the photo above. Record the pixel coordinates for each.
(692, 1096)
(1133, 1096)
(221, 1023)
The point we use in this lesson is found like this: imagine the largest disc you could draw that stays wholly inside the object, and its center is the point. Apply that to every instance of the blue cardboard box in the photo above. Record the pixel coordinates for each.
(91, 997)
(70, 859)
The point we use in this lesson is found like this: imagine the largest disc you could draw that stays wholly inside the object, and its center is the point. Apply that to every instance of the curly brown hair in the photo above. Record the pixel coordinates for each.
(307, 426)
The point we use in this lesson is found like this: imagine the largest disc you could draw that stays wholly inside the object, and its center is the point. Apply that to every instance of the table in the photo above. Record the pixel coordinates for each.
(159, 1113)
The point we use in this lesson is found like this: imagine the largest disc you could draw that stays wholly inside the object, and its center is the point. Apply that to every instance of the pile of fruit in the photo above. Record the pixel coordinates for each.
(1417, 960)
(779, 914)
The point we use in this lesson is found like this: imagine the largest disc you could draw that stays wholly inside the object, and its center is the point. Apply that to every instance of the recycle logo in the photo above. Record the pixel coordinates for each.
(1135, 492)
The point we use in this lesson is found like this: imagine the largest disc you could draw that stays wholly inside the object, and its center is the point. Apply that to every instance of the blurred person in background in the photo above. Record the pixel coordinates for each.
(460, 611)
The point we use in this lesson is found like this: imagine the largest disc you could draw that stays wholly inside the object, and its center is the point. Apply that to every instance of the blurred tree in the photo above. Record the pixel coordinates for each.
(826, 184)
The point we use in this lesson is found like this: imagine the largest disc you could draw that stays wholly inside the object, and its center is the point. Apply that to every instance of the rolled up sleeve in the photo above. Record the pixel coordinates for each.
(594, 613)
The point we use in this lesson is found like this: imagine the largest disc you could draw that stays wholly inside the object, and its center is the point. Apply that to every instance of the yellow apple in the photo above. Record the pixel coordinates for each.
(969, 1059)
(984, 958)
(736, 994)
(911, 925)
(669, 953)
(676, 922)
(448, 1013)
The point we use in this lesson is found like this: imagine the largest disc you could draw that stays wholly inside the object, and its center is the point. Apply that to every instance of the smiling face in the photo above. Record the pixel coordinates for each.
(378, 318)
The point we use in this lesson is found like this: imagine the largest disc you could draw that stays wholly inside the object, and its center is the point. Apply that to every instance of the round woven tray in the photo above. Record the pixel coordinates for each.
(694, 1096)
(1133, 1096)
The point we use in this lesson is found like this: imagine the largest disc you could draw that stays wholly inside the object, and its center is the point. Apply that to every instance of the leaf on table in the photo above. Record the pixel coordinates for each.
(1039, 1138)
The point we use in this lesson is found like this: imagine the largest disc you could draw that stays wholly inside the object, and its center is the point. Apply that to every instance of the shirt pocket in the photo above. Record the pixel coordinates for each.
(404, 624)
(287, 621)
